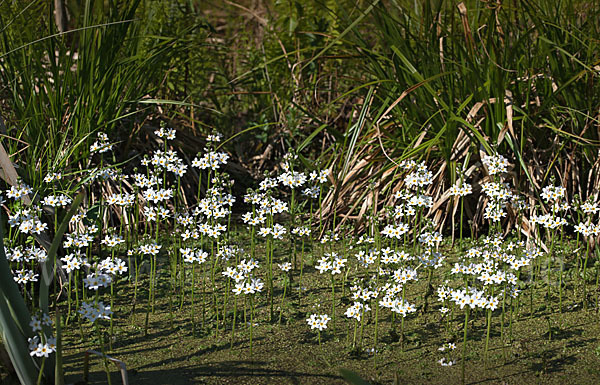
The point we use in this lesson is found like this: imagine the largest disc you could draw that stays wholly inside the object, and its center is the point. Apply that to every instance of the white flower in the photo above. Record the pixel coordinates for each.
(286, 266)
(36, 324)
(316, 321)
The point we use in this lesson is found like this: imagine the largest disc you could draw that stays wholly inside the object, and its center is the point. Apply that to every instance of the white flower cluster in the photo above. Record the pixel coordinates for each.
(30, 254)
(226, 252)
(143, 181)
(123, 200)
(292, 179)
(167, 133)
(387, 256)
(549, 221)
(590, 207)
(216, 137)
(56, 201)
(27, 222)
(74, 261)
(419, 177)
(461, 189)
(331, 262)
(102, 144)
(494, 268)
(46, 345)
(158, 195)
(241, 271)
(151, 248)
(430, 239)
(41, 349)
(184, 219)
(52, 176)
(366, 258)
(496, 164)
(277, 231)
(95, 311)
(211, 159)
(245, 283)
(404, 275)
(365, 239)
(499, 194)
(267, 183)
(112, 240)
(554, 196)
(312, 192)
(168, 161)
(363, 294)
(397, 305)
(19, 191)
(301, 231)
(152, 214)
(589, 229)
(330, 237)
(190, 255)
(586, 227)
(97, 280)
(357, 310)
(217, 204)
(553, 193)
(395, 231)
(104, 174)
(409, 202)
(80, 239)
(23, 276)
(318, 321)
(320, 176)
(112, 266)
(211, 231)
(519, 202)
(474, 298)
(267, 205)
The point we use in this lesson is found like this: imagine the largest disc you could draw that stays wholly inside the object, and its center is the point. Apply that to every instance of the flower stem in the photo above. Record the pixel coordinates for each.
(464, 352)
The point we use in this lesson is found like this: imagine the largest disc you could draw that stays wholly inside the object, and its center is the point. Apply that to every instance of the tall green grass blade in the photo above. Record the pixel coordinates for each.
(309, 138)
(16, 344)
(11, 293)
(354, 132)
(14, 320)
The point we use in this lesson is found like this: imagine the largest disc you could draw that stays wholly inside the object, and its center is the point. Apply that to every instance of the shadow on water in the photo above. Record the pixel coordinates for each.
(223, 372)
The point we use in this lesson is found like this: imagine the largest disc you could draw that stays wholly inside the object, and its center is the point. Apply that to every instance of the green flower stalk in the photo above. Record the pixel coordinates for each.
(285, 268)
(464, 350)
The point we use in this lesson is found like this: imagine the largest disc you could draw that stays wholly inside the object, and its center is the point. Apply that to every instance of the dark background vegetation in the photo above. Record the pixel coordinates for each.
(355, 86)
